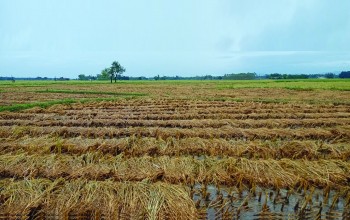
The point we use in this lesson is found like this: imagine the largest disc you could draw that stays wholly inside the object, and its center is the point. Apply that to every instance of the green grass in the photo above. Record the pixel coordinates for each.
(19, 107)
(76, 83)
(260, 100)
(23, 106)
(98, 88)
(299, 88)
(300, 85)
(44, 83)
(89, 92)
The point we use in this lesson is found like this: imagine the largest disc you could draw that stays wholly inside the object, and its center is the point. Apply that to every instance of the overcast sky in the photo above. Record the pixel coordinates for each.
(182, 37)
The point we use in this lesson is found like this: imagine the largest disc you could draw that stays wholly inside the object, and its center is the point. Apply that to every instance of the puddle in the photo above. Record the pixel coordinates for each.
(233, 203)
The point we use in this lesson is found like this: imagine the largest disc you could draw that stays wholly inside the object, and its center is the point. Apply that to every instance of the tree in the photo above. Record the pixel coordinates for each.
(116, 70)
(104, 74)
(287, 76)
(240, 76)
(297, 76)
(210, 77)
(82, 77)
(344, 74)
(329, 75)
(111, 74)
(275, 76)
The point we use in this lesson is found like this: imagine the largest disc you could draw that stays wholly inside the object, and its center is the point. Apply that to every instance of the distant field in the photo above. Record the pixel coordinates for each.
(334, 91)
(258, 149)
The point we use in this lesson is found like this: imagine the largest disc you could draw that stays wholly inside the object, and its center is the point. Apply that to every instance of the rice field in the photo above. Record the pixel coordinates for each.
(175, 150)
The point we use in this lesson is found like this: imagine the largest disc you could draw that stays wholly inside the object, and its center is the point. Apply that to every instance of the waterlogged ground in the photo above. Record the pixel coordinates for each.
(234, 203)
(175, 149)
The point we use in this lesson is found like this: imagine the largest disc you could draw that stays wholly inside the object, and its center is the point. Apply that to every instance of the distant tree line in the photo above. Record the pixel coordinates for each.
(206, 77)
(287, 76)
(84, 77)
(104, 75)
(116, 70)
(240, 76)
(233, 76)
(344, 74)
(35, 78)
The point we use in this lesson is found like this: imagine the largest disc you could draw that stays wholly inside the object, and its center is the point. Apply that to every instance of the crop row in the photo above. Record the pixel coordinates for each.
(339, 132)
(207, 110)
(185, 170)
(142, 106)
(173, 116)
(234, 108)
(52, 199)
(140, 146)
(147, 104)
(207, 123)
(89, 199)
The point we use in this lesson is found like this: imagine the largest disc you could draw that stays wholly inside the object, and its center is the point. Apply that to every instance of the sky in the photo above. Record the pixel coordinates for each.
(66, 38)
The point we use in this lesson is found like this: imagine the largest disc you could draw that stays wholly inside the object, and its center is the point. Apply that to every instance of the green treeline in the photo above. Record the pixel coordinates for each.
(232, 76)
(288, 76)
(240, 76)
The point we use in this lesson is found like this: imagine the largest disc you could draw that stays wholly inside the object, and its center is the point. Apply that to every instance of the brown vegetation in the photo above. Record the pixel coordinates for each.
(176, 158)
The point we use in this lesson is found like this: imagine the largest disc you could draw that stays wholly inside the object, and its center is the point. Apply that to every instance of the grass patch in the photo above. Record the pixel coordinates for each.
(314, 84)
(298, 85)
(23, 106)
(223, 99)
(299, 88)
(277, 101)
(19, 107)
(89, 92)
(340, 89)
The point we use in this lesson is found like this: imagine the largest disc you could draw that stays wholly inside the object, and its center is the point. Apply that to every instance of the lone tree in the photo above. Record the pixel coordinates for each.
(116, 70)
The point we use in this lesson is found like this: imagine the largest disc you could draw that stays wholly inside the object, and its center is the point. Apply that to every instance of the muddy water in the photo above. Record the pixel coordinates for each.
(260, 203)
